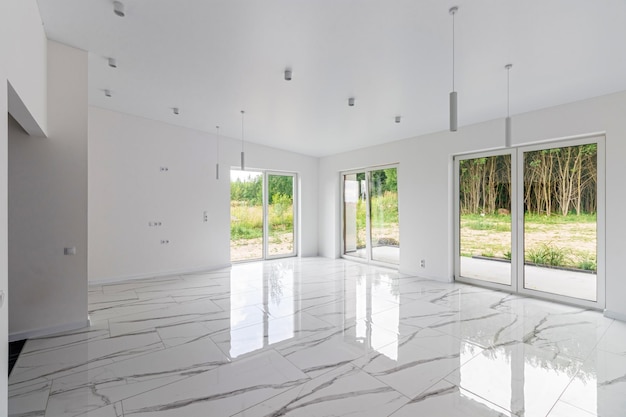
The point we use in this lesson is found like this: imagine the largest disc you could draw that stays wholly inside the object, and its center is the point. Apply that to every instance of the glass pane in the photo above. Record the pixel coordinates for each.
(246, 215)
(560, 205)
(384, 228)
(485, 218)
(280, 215)
(354, 211)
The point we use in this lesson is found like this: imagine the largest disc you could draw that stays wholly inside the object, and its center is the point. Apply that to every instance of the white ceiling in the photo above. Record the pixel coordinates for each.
(213, 58)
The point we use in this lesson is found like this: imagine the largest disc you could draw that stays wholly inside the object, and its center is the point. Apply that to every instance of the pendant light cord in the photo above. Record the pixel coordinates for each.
(453, 50)
(217, 144)
(242, 112)
(508, 92)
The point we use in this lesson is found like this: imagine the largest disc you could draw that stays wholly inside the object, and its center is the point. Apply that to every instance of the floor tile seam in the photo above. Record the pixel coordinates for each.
(27, 386)
(507, 408)
(88, 367)
(48, 397)
(107, 317)
(62, 347)
(361, 368)
(574, 406)
(571, 379)
(193, 318)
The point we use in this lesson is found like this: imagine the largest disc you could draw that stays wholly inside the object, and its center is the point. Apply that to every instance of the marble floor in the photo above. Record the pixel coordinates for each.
(320, 337)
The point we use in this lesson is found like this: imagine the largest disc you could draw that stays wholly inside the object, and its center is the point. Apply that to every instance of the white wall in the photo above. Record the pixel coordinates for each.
(48, 206)
(23, 63)
(127, 191)
(23, 46)
(425, 180)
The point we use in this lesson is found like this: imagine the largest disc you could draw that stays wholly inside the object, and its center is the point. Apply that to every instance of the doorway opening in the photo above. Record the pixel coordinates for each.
(263, 215)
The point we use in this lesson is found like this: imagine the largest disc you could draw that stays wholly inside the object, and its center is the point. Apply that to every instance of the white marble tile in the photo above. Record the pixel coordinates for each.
(125, 308)
(181, 333)
(243, 340)
(97, 331)
(96, 388)
(563, 409)
(76, 358)
(411, 316)
(373, 340)
(614, 339)
(346, 391)
(113, 410)
(446, 399)
(600, 385)
(328, 350)
(224, 391)
(482, 326)
(520, 378)
(138, 285)
(574, 333)
(418, 361)
(29, 400)
(145, 320)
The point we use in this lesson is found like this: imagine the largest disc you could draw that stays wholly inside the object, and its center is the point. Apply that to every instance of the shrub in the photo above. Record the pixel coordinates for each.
(547, 254)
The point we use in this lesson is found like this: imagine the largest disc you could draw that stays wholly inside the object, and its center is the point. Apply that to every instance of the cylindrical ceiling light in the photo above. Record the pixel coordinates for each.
(176, 110)
(453, 95)
(507, 121)
(288, 74)
(243, 166)
(118, 8)
(217, 154)
(351, 102)
(107, 93)
(398, 119)
(112, 63)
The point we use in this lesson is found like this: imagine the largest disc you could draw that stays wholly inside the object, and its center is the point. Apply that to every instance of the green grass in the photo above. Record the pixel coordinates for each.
(247, 221)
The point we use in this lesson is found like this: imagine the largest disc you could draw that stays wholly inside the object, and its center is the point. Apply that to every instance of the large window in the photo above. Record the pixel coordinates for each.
(531, 219)
(262, 215)
(371, 226)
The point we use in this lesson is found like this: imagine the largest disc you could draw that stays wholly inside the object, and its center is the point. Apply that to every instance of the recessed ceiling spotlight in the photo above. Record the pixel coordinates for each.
(112, 63)
(398, 118)
(351, 102)
(288, 74)
(175, 110)
(118, 8)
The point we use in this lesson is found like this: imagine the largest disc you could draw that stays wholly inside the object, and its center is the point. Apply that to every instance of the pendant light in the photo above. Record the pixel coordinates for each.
(217, 154)
(243, 168)
(507, 121)
(453, 96)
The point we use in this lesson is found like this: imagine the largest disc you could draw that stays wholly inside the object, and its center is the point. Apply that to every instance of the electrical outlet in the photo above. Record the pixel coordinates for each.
(69, 251)
(423, 263)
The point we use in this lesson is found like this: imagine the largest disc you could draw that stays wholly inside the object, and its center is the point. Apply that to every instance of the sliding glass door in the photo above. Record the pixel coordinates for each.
(560, 236)
(263, 215)
(371, 228)
(280, 215)
(530, 220)
(484, 211)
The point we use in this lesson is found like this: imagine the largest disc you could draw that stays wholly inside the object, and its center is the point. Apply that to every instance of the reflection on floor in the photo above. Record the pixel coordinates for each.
(386, 254)
(319, 337)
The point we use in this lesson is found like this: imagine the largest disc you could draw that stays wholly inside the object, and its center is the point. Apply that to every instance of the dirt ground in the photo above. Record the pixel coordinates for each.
(577, 238)
(247, 249)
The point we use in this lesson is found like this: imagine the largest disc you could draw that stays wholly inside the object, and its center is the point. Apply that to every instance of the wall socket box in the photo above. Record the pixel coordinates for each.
(69, 251)
(423, 263)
